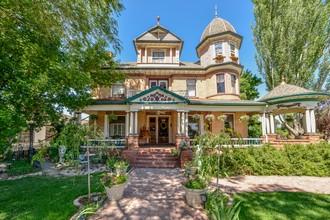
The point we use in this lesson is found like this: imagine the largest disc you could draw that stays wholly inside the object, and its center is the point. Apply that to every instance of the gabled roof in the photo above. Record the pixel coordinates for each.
(286, 92)
(157, 95)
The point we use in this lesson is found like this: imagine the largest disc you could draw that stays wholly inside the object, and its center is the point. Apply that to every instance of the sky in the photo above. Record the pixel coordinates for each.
(187, 19)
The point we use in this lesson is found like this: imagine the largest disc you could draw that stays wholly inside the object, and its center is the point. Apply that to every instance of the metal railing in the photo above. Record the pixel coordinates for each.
(238, 142)
(107, 143)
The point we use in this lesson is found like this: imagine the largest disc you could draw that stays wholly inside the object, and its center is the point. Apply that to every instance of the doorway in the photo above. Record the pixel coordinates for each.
(159, 129)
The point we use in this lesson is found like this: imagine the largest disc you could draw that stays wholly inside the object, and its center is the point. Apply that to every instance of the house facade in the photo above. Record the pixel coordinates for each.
(165, 100)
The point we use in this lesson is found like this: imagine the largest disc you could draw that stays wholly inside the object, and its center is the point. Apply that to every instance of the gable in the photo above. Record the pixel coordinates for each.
(157, 95)
(158, 33)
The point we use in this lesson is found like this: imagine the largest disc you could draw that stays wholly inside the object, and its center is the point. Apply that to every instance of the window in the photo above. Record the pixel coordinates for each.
(193, 127)
(158, 56)
(117, 128)
(232, 49)
(218, 48)
(229, 122)
(157, 82)
(221, 83)
(191, 87)
(118, 90)
(233, 83)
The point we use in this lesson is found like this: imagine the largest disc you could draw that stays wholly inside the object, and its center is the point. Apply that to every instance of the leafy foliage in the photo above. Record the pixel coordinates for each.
(52, 54)
(323, 119)
(195, 182)
(19, 167)
(292, 40)
(248, 84)
(292, 160)
(111, 179)
(217, 207)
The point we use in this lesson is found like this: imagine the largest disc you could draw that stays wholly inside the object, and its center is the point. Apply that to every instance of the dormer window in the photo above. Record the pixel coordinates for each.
(218, 48)
(158, 56)
(232, 50)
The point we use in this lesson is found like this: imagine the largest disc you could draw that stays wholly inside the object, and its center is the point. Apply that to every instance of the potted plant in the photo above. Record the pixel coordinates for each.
(196, 117)
(191, 167)
(121, 167)
(219, 58)
(234, 58)
(194, 188)
(209, 117)
(112, 117)
(114, 185)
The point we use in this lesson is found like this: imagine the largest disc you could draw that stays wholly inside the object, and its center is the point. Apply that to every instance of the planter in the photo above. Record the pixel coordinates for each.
(121, 170)
(193, 197)
(115, 192)
(191, 170)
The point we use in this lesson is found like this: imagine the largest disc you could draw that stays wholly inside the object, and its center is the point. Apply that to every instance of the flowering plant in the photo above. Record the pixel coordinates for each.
(222, 117)
(194, 182)
(111, 179)
(244, 118)
(209, 117)
(195, 117)
(121, 164)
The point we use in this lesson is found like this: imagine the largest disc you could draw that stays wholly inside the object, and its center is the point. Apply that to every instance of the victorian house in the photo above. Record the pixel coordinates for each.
(165, 100)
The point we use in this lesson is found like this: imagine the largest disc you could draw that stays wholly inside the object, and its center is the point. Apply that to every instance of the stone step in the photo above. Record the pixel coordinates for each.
(155, 155)
(156, 159)
(156, 164)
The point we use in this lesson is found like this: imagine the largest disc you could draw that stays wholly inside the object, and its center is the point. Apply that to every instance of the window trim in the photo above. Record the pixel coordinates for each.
(224, 123)
(195, 85)
(158, 82)
(158, 58)
(231, 81)
(232, 53)
(222, 49)
(224, 82)
(114, 123)
(118, 95)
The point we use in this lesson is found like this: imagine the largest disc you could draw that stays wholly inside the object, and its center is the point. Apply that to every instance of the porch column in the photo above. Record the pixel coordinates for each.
(201, 123)
(308, 121)
(106, 126)
(127, 124)
(272, 123)
(267, 124)
(313, 123)
(179, 123)
(135, 123)
(171, 56)
(186, 124)
(304, 122)
(182, 123)
(131, 123)
(263, 123)
(78, 115)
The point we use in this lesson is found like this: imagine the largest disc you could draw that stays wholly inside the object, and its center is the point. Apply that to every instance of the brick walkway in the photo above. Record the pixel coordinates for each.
(151, 194)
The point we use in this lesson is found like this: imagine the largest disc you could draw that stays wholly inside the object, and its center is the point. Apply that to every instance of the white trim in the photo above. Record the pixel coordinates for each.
(157, 126)
(158, 50)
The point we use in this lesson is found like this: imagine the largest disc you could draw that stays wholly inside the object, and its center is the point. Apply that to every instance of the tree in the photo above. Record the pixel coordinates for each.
(248, 85)
(292, 40)
(52, 54)
(323, 119)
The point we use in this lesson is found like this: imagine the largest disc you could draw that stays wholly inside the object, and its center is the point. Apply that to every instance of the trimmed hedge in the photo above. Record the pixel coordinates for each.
(292, 160)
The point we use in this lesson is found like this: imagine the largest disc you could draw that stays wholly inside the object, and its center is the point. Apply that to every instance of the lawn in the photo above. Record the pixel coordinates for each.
(284, 206)
(43, 197)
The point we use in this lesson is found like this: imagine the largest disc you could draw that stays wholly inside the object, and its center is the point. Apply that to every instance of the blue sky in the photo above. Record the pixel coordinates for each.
(187, 19)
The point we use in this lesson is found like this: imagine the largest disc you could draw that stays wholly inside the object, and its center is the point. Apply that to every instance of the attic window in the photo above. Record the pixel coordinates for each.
(232, 49)
(218, 48)
(158, 56)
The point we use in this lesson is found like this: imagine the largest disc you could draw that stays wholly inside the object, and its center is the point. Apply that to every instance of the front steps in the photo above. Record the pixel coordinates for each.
(156, 157)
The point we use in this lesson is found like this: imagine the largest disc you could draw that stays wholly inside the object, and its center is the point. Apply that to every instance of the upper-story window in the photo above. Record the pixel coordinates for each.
(221, 83)
(218, 48)
(158, 82)
(191, 87)
(158, 56)
(118, 90)
(233, 83)
(229, 122)
(232, 49)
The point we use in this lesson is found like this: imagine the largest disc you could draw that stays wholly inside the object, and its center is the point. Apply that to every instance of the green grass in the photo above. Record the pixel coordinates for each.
(284, 206)
(43, 197)
(19, 167)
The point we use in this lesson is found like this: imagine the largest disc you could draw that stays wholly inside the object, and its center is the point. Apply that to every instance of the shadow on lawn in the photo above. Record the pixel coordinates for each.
(152, 193)
(284, 205)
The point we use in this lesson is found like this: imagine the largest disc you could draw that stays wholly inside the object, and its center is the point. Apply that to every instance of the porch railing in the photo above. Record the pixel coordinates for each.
(108, 143)
(239, 142)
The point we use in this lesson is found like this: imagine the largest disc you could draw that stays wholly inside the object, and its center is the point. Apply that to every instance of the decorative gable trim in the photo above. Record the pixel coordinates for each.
(157, 95)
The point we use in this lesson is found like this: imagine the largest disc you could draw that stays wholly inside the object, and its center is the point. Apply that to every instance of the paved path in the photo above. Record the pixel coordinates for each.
(274, 184)
(151, 194)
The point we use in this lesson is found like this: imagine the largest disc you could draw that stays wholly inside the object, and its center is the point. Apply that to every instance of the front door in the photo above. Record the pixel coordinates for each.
(163, 130)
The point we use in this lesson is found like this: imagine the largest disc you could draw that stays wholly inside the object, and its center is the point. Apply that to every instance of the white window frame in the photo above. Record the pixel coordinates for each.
(118, 95)
(158, 59)
(218, 52)
(233, 89)
(191, 85)
(224, 82)
(232, 52)
(113, 124)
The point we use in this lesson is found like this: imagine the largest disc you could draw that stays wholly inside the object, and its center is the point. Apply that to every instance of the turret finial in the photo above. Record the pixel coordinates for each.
(216, 11)
(158, 20)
